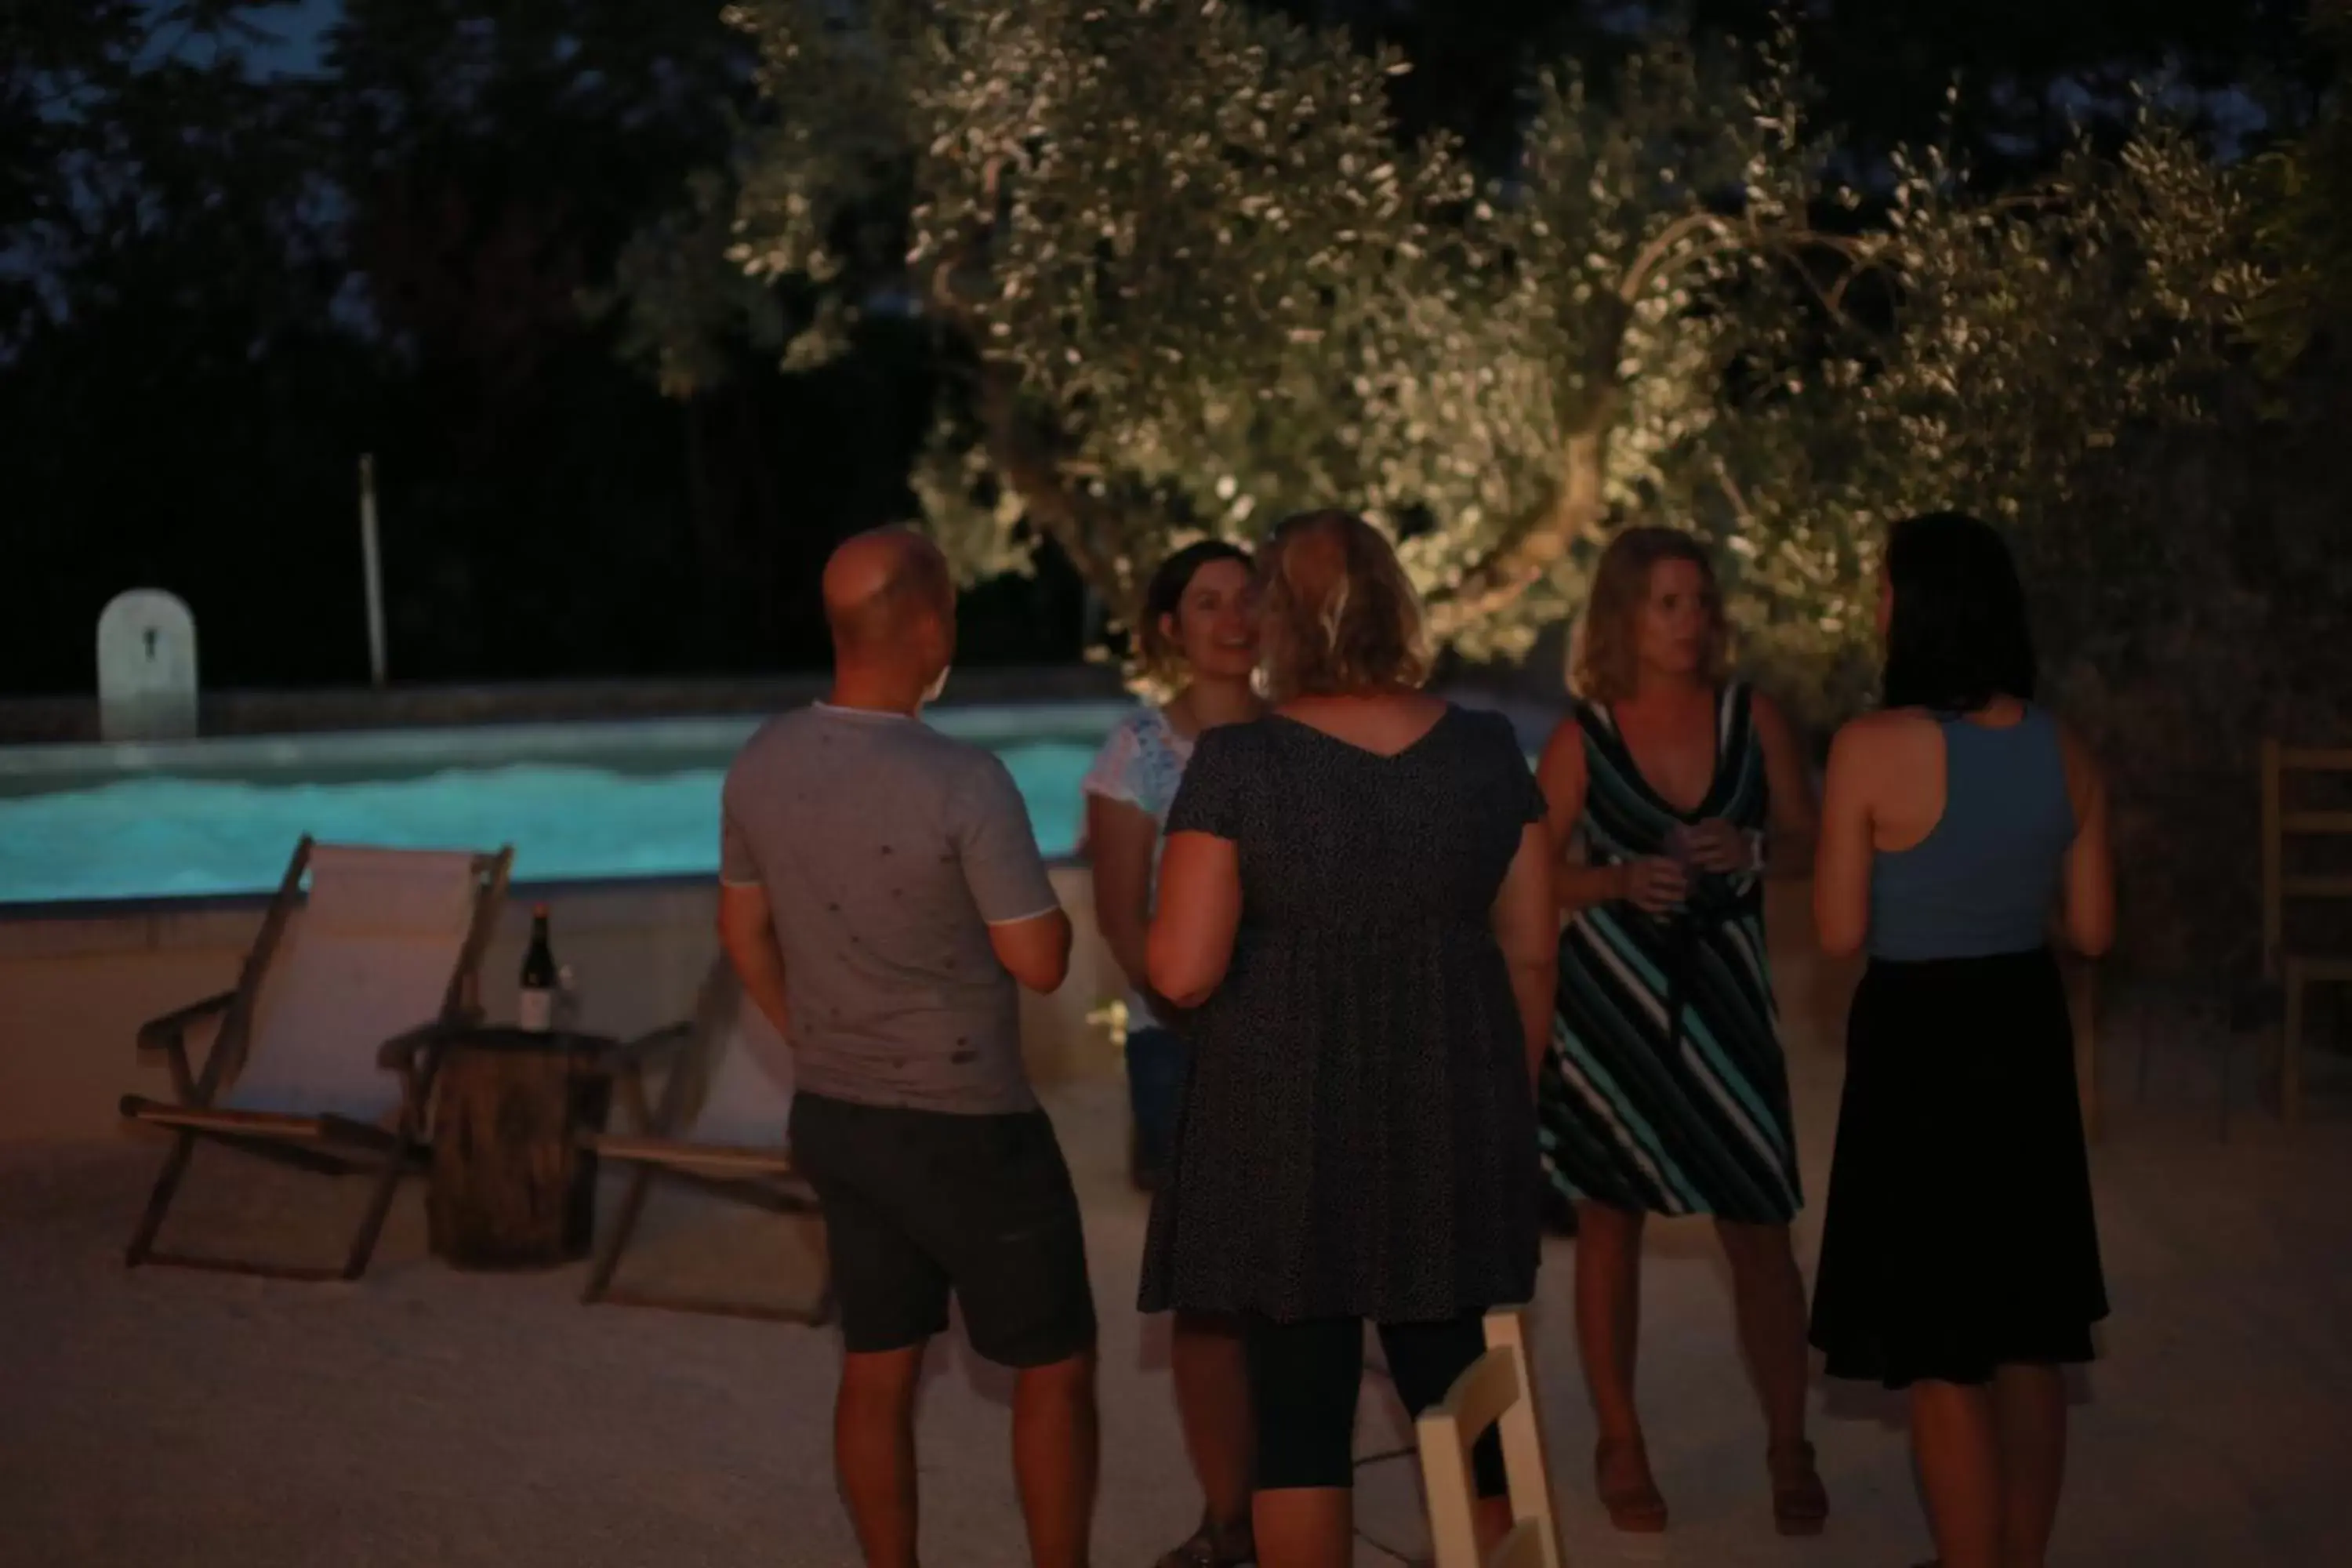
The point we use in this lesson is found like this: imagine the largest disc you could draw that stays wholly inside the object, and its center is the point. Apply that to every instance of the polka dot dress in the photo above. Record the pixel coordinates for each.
(1358, 1135)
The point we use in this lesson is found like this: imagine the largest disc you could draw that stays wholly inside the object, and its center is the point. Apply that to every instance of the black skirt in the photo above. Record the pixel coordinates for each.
(1958, 1236)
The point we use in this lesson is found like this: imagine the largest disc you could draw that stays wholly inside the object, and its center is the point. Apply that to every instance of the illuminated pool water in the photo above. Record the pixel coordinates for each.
(210, 818)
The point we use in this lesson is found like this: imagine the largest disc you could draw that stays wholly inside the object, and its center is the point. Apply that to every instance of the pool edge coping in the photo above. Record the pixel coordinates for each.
(458, 745)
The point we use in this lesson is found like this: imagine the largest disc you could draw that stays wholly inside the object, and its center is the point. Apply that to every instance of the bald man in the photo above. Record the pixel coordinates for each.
(882, 898)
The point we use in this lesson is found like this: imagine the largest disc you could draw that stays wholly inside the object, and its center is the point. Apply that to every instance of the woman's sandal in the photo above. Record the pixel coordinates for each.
(1209, 1547)
(1634, 1506)
(1801, 1504)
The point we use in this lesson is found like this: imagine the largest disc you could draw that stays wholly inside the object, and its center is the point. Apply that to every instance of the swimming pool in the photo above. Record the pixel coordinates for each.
(579, 802)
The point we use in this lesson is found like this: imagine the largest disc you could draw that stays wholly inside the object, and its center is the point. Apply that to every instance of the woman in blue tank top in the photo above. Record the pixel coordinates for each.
(1960, 1255)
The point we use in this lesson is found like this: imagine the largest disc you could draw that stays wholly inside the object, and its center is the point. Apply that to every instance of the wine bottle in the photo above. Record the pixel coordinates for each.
(536, 1008)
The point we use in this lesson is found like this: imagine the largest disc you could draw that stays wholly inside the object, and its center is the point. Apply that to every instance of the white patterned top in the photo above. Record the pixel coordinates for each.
(1141, 763)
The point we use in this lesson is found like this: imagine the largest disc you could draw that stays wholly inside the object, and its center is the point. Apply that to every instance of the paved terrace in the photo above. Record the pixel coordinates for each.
(425, 1418)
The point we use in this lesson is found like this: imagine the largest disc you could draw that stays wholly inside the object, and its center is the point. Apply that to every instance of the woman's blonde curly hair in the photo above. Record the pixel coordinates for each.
(1338, 612)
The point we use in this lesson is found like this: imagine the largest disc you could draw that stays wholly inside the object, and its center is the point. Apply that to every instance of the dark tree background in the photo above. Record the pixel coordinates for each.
(220, 284)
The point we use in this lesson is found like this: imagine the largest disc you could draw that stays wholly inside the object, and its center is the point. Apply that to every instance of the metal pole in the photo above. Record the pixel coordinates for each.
(371, 558)
(1091, 614)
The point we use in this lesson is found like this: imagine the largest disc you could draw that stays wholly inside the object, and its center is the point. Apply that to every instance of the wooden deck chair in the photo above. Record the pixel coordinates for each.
(723, 1127)
(2295, 969)
(1499, 1390)
(385, 947)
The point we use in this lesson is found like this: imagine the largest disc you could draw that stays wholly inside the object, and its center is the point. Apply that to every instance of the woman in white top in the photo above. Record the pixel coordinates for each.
(1197, 635)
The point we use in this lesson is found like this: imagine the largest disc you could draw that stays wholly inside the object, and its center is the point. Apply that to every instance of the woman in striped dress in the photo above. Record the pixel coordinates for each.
(1666, 1092)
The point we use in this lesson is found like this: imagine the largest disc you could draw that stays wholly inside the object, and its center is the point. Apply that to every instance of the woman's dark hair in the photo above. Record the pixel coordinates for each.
(1164, 596)
(1959, 636)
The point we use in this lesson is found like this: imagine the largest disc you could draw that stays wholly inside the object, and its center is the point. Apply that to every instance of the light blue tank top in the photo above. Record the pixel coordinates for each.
(1985, 880)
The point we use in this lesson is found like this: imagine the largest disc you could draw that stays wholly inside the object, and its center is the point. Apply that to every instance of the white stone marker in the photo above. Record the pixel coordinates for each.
(146, 668)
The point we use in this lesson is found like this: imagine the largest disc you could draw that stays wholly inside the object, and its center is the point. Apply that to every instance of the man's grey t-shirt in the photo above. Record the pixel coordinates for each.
(886, 850)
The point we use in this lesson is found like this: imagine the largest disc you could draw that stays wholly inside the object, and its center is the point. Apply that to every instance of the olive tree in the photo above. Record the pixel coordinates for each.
(1195, 278)
(1198, 279)
(1174, 244)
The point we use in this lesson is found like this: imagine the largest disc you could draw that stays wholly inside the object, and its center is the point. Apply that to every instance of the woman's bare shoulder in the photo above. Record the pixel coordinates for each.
(1568, 723)
(1885, 735)
(1881, 724)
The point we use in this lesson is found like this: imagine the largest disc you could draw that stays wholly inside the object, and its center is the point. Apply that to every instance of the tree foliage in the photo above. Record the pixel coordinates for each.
(220, 282)
(121, 121)
(2031, 334)
(232, 260)
(2015, 83)
(2307, 221)
(166, 347)
(1198, 277)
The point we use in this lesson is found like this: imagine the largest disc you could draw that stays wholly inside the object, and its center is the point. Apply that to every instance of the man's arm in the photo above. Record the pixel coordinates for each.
(1034, 951)
(1026, 928)
(748, 931)
(746, 927)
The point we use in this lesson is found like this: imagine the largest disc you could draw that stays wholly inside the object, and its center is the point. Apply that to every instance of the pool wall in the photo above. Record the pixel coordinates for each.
(75, 985)
(77, 980)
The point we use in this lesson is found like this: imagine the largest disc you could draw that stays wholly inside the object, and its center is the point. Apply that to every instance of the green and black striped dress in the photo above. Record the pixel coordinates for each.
(1666, 1090)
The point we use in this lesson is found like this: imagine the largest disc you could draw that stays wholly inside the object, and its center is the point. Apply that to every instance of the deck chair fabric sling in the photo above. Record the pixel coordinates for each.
(722, 1126)
(385, 947)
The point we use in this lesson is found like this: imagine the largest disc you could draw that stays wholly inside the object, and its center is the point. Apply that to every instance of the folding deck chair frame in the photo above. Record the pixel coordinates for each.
(326, 1142)
(762, 1177)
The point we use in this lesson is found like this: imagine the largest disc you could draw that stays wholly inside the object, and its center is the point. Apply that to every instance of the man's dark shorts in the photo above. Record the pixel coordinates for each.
(919, 1204)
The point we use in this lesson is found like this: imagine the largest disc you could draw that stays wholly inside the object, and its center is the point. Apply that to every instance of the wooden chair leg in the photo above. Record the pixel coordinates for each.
(624, 1225)
(379, 1210)
(159, 1200)
(1521, 1430)
(1448, 1493)
(2291, 1053)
